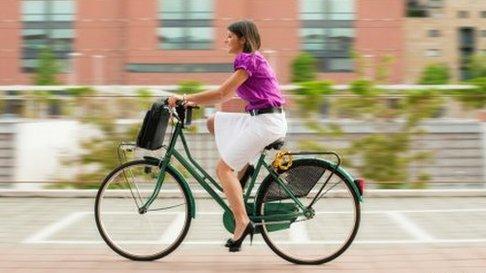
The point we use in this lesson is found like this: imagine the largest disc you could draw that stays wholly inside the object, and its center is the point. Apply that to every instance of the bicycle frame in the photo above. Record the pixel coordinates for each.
(211, 186)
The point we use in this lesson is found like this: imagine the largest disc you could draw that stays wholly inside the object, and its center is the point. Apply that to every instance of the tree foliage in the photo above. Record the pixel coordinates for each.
(47, 69)
(477, 66)
(435, 74)
(473, 98)
(384, 157)
(189, 87)
(303, 68)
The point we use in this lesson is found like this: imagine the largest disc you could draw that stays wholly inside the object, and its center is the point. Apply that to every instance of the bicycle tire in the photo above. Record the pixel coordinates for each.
(106, 237)
(260, 202)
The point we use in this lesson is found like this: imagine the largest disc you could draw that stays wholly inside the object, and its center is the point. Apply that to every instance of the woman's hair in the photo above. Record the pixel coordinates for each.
(249, 31)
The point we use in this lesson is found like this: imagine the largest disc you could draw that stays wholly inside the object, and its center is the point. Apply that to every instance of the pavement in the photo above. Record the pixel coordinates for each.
(398, 234)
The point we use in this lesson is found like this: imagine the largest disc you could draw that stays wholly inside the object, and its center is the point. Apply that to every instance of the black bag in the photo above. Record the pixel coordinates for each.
(154, 125)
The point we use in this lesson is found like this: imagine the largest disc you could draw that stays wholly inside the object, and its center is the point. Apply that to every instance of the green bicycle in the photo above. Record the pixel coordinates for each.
(307, 209)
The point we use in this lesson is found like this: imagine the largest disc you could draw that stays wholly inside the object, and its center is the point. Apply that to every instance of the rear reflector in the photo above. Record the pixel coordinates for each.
(360, 183)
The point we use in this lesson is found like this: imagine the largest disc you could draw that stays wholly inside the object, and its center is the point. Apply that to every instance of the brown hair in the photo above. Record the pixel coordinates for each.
(249, 31)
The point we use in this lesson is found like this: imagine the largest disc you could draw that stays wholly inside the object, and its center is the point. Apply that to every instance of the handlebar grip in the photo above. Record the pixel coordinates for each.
(189, 115)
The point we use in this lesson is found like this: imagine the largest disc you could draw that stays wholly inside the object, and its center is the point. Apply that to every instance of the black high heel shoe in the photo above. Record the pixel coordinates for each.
(235, 245)
(229, 242)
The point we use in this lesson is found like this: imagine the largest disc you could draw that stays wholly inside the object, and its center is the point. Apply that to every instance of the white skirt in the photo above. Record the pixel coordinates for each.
(240, 137)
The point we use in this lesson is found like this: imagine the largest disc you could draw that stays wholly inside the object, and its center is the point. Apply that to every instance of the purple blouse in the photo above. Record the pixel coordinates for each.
(261, 89)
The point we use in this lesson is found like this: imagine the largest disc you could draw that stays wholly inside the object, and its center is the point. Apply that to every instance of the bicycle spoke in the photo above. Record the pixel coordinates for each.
(322, 194)
(317, 237)
(135, 234)
(166, 208)
(131, 191)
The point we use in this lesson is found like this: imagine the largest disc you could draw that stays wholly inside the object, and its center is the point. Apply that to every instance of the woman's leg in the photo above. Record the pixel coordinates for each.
(210, 124)
(232, 188)
(242, 172)
(234, 193)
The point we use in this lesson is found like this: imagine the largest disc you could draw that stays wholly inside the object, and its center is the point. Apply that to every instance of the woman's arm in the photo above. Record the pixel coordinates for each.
(224, 92)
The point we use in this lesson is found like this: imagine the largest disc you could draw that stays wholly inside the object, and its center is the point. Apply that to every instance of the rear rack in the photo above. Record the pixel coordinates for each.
(338, 163)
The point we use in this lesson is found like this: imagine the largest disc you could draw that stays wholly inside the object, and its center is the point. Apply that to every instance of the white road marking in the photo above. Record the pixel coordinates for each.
(41, 237)
(57, 226)
(410, 227)
(261, 242)
(298, 232)
(408, 211)
(174, 229)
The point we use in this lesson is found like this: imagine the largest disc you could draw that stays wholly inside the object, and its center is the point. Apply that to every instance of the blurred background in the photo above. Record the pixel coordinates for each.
(397, 87)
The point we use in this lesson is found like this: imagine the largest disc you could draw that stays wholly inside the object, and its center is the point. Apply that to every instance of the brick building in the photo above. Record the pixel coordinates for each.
(166, 41)
(443, 31)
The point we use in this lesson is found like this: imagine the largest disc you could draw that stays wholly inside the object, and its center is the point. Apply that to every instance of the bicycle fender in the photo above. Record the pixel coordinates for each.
(350, 179)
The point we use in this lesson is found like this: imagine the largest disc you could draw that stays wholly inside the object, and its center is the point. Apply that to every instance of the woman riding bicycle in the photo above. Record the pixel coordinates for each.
(240, 137)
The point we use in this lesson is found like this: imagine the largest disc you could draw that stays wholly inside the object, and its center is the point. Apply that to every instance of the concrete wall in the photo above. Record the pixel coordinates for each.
(32, 151)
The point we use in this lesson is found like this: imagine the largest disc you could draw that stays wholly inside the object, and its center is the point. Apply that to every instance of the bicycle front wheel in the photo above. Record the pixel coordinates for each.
(134, 233)
(316, 239)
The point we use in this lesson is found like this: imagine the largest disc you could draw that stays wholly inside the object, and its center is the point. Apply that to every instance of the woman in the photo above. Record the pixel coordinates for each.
(240, 137)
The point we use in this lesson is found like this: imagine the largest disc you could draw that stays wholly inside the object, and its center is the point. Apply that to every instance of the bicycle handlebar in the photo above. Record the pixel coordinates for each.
(184, 112)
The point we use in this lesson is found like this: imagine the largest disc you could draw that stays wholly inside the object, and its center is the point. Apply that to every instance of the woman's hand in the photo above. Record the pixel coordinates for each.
(172, 100)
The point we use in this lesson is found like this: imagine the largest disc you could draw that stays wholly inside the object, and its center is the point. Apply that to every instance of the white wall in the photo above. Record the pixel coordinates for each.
(39, 148)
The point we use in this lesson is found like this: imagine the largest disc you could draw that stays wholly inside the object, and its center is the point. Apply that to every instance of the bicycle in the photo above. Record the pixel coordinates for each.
(307, 209)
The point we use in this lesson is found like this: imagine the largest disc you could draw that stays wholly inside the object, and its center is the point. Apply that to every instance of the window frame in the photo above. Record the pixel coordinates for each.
(328, 48)
(49, 26)
(187, 23)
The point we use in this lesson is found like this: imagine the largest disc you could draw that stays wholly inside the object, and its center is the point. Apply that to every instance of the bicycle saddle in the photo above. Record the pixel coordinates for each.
(277, 144)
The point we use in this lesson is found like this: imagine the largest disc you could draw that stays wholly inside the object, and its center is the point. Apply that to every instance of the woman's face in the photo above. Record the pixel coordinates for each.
(233, 43)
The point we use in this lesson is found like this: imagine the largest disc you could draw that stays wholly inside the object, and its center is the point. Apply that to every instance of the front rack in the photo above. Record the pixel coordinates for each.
(122, 150)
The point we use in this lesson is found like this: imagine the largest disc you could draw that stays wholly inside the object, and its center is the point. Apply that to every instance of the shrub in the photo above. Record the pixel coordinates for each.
(47, 69)
(189, 87)
(435, 74)
(477, 66)
(303, 68)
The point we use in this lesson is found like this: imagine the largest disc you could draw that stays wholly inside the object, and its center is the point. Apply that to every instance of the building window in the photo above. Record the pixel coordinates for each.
(180, 68)
(483, 14)
(483, 33)
(185, 24)
(434, 33)
(436, 3)
(416, 9)
(327, 33)
(46, 23)
(467, 47)
(463, 14)
(432, 53)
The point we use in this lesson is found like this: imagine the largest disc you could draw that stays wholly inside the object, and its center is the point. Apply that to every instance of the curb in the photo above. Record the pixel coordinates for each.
(204, 194)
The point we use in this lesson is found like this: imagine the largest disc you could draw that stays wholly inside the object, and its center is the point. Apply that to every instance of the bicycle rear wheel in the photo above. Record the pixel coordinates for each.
(324, 236)
(135, 234)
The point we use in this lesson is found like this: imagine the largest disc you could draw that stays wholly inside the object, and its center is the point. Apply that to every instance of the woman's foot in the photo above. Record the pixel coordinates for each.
(239, 229)
(235, 244)
(232, 240)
